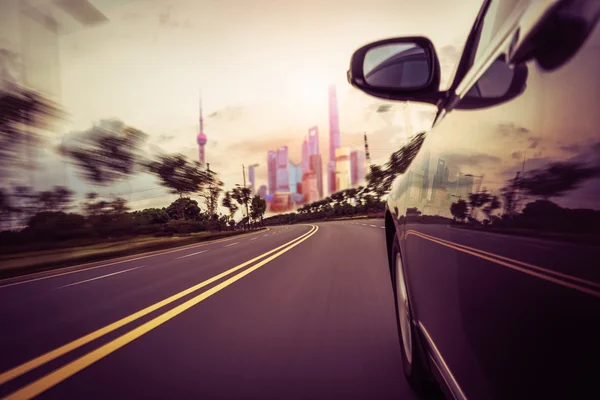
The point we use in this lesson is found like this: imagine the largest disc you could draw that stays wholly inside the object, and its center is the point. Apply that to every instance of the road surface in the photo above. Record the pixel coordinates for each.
(298, 312)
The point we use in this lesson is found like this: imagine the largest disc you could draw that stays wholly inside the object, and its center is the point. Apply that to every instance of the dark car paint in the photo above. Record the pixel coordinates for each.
(513, 308)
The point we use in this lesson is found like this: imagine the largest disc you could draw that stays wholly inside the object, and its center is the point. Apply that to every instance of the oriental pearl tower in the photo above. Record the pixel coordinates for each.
(201, 139)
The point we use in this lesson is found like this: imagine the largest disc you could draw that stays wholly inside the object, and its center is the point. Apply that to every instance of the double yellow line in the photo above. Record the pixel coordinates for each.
(79, 364)
(559, 278)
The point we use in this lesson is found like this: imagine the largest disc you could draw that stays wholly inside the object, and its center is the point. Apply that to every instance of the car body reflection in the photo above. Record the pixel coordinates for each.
(497, 214)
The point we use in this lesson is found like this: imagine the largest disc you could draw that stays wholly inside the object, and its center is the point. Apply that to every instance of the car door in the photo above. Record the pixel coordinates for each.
(500, 219)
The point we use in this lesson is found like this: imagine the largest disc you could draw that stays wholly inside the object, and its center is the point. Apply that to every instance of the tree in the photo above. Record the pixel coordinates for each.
(119, 206)
(59, 199)
(401, 159)
(258, 208)
(179, 175)
(26, 201)
(478, 199)
(211, 192)
(228, 203)
(107, 152)
(184, 208)
(554, 180)
(93, 205)
(242, 195)
(492, 205)
(509, 195)
(151, 216)
(7, 208)
(376, 181)
(55, 225)
(24, 116)
(459, 210)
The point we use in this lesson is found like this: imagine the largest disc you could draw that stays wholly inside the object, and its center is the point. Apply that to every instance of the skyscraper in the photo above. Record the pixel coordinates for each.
(440, 181)
(295, 176)
(309, 187)
(283, 177)
(425, 166)
(357, 168)
(305, 156)
(272, 171)
(464, 186)
(316, 166)
(201, 139)
(251, 178)
(262, 191)
(342, 172)
(334, 137)
(313, 140)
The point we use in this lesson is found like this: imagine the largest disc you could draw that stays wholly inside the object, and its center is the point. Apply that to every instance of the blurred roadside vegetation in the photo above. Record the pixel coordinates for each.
(108, 152)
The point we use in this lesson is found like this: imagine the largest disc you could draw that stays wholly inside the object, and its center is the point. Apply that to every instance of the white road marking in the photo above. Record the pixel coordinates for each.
(253, 239)
(99, 277)
(231, 244)
(193, 254)
(152, 254)
(374, 226)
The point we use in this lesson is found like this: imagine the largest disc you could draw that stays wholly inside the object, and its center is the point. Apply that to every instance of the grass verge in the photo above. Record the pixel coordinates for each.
(13, 265)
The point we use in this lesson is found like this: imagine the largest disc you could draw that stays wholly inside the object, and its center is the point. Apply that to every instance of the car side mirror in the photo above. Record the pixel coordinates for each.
(397, 69)
(500, 83)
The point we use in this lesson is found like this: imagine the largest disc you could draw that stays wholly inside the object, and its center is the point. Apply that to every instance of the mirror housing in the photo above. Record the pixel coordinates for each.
(509, 83)
(427, 92)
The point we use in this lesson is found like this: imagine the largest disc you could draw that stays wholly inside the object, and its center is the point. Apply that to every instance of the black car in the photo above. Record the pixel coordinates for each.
(493, 219)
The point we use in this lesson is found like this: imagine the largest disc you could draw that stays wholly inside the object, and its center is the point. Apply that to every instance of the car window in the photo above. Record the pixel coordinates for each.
(497, 13)
(491, 17)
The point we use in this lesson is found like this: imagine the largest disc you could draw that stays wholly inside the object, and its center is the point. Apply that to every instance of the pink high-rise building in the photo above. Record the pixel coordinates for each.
(334, 137)
(305, 156)
(316, 166)
(309, 187)
(313, 141)
(252, 178)
(201, 139)
(283, 176)
(272, 171)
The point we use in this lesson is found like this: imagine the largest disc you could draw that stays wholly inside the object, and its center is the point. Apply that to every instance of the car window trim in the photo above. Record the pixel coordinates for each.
(468, 55)
(497, 46)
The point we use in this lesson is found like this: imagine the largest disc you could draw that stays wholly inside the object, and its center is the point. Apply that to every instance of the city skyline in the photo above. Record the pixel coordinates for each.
(304, 181)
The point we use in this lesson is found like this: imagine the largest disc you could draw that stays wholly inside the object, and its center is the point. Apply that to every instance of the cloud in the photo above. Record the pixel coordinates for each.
(165, 138)
(227, 114)
(470, 160)
(164, 17)
(510, 129)
(535, 141)
(154, 149)
(131, 16)
(571, 148)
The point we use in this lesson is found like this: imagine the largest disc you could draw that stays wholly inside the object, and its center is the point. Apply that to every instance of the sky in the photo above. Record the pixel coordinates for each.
(262, 66)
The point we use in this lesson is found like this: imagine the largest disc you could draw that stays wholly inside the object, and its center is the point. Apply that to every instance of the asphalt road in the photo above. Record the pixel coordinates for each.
(306, 313)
